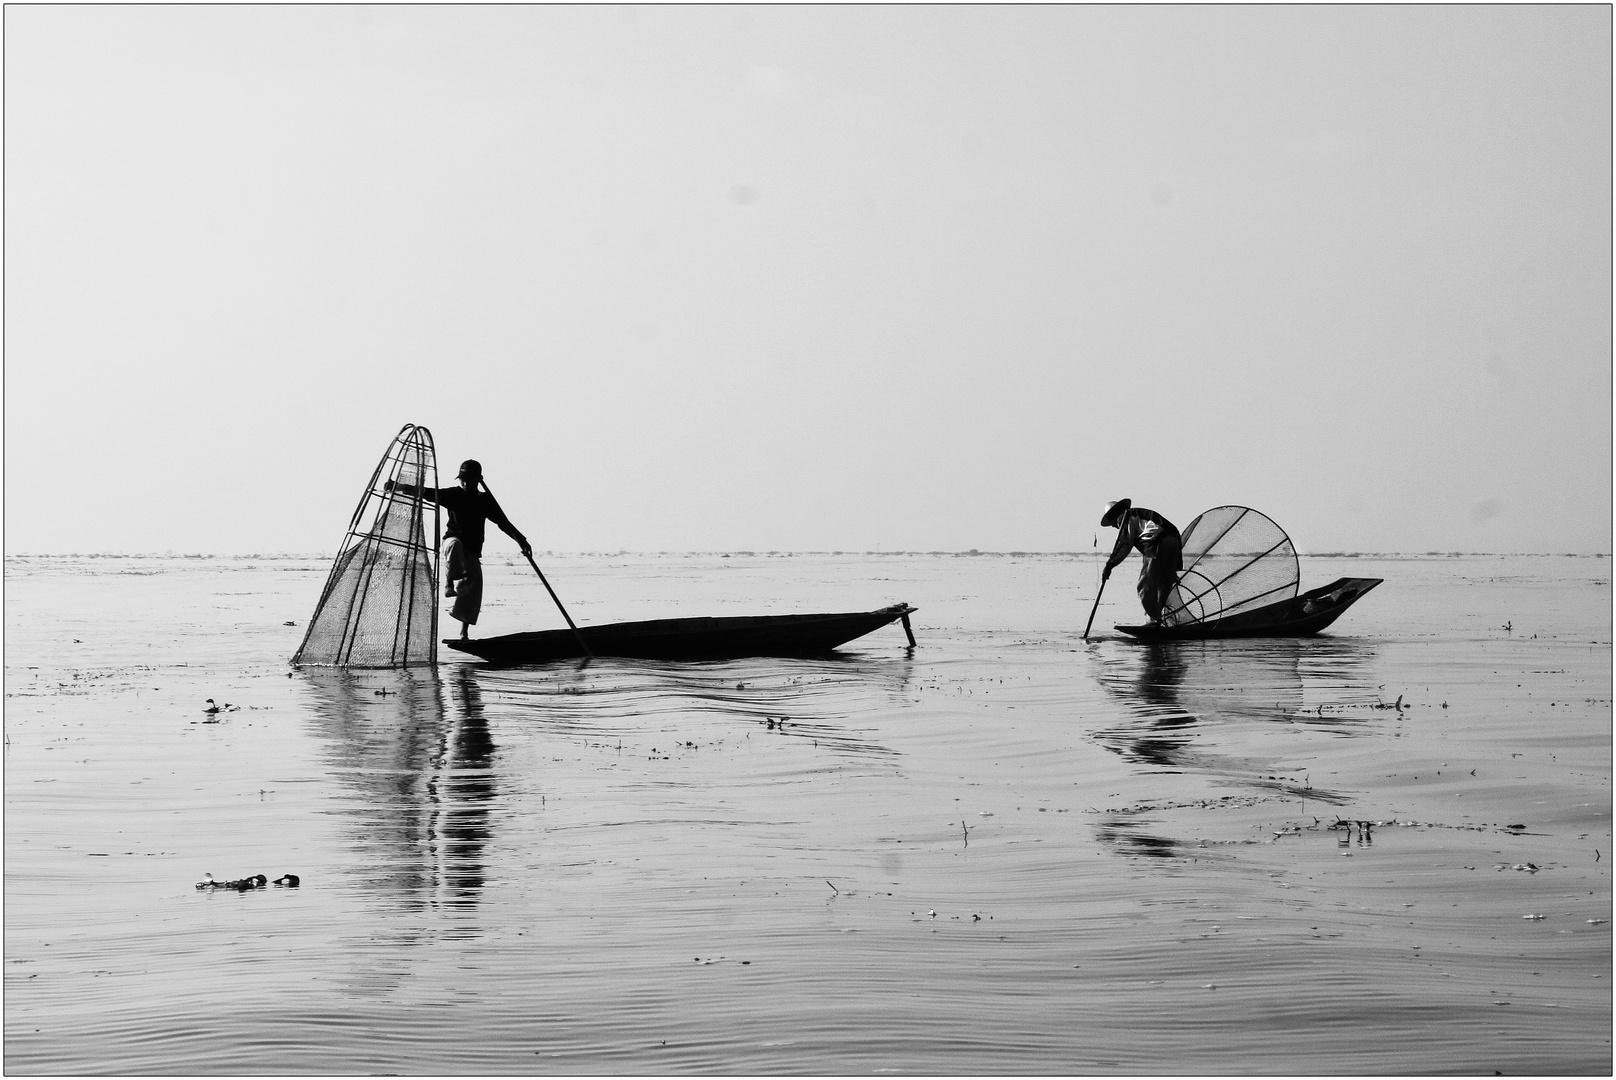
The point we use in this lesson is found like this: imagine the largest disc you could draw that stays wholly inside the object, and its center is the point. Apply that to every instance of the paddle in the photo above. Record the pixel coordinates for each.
(1096, 607)
(575, 631)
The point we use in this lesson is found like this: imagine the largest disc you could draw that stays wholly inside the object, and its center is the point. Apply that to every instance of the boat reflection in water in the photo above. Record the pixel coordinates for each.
(615, 697)
(415, 756)
(1185, 700)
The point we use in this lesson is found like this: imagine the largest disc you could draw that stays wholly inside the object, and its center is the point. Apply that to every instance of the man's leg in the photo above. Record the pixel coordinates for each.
(1166, 565)
(469, 599)
(453, 565)
(1155, 582)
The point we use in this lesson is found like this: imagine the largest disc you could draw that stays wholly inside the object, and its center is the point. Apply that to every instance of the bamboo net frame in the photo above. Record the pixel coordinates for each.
(379, 605)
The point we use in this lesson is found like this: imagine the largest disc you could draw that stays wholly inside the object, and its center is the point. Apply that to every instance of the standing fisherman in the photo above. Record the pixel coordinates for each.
(1157, 540)
(468, 509)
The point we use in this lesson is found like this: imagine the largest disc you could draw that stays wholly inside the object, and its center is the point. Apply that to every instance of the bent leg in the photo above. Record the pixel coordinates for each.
(1159, 575)
(454, 564)
(469, 591)
(1151, 593)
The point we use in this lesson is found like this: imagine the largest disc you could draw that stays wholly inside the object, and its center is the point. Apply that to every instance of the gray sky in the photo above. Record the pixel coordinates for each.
(811, 277)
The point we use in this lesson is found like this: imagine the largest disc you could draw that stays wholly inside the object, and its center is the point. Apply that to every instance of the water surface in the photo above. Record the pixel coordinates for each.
(1007, 850)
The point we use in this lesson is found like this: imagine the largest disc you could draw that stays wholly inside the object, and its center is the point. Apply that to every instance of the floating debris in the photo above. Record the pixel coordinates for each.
(245, 884)
(256, 881)
(213, 709)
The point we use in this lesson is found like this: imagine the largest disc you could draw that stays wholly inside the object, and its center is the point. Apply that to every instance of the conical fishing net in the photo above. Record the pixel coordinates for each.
(379, 606)
(1235, 560)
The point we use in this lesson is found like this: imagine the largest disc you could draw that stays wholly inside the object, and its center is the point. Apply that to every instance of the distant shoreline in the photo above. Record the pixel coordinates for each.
(972, 553)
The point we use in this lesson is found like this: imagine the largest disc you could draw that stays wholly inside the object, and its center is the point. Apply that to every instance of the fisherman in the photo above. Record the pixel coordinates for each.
(1156, 540)
(468, 509)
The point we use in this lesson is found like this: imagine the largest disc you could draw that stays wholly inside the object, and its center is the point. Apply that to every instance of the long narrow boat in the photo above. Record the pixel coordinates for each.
(690, 639)
(1297, 616)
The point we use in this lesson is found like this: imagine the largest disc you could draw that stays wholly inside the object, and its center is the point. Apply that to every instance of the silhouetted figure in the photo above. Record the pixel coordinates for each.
(469, 509)
(1157, 541)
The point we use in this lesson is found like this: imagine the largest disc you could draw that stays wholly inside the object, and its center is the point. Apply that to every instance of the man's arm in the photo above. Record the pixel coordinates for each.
(1125, 531)
(415, 489)
(497, 516)
(432, 495)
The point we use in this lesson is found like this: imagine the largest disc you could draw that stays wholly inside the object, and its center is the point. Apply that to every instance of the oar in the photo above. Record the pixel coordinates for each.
(1095, 608)
(584, 645)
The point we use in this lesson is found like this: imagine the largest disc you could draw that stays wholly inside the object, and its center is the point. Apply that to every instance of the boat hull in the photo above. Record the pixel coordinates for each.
(688, 639)
(1301, 615)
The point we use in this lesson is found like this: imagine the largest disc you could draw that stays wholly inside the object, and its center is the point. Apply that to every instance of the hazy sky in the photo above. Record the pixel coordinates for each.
(811, 277)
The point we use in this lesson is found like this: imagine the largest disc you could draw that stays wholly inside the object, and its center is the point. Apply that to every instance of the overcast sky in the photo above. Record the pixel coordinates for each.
(811, 277)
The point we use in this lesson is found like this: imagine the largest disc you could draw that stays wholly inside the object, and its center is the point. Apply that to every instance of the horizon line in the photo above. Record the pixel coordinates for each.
(791, 552)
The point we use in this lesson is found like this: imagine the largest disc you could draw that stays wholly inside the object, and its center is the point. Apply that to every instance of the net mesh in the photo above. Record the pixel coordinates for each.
(379, 609)
(1235, 560)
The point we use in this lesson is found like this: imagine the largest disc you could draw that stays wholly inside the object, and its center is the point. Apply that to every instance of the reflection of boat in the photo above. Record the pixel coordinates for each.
(689, 639)
(1189, 713)
(1165, 685)
(1190, 707)
(1297, 616)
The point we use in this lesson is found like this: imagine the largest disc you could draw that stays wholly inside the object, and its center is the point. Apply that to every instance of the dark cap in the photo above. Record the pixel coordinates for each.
(470, 469)
(1114, 512)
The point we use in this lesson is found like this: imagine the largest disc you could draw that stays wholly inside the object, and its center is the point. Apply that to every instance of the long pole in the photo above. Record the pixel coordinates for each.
(582, 644)
(1096, 607)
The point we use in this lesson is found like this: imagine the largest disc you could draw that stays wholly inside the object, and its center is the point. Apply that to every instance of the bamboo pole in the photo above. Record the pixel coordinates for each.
(582, 644)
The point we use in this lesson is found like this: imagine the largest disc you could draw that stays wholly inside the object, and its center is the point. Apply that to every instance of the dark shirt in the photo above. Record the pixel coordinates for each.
(468, 510)
(1143, 530)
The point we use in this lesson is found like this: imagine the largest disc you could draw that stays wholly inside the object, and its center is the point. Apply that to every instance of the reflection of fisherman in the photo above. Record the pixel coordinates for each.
(468, 509)
(1157, 540)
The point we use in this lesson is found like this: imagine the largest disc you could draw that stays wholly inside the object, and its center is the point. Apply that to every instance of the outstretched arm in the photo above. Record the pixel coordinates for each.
(1125, 537)
(497, 516)
(414, 489)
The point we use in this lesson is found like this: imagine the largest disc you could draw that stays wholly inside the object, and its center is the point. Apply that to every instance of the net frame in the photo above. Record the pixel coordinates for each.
(411, 451)
(1198, 597)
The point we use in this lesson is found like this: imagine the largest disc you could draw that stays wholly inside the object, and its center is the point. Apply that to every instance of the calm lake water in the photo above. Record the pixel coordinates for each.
(1004, 851)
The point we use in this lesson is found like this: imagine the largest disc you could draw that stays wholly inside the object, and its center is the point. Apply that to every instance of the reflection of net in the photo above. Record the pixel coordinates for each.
(1235, 560)
(379, 607)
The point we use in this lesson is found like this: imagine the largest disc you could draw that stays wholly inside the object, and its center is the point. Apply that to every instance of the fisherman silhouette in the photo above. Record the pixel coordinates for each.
(1158, 543)
(469, 509)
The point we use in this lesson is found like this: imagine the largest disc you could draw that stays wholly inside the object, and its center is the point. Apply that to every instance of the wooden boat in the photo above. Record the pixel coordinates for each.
(690, 639)
(1298, 616)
